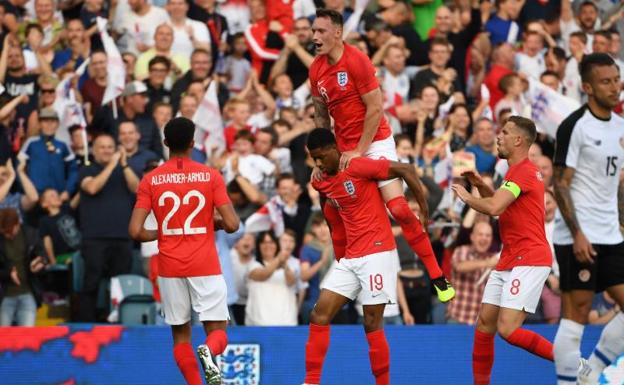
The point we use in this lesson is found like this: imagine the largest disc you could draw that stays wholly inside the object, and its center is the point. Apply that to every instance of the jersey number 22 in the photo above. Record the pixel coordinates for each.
(187, 230)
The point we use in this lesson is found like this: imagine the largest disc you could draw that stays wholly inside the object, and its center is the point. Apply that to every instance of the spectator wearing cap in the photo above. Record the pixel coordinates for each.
(134, 101)
(107, 193)
(47, 95)
(129, 137)
(163, 40)
(471, 264)
(51, 164)
(157, 91)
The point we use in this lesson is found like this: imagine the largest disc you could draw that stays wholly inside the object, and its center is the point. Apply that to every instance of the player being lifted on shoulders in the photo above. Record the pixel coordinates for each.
(344, 86)
(367, 255)
(183, 195)
(514, 288)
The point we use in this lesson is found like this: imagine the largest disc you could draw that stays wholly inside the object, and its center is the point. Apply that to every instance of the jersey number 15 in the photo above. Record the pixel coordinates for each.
(611, 166)
(187, 230)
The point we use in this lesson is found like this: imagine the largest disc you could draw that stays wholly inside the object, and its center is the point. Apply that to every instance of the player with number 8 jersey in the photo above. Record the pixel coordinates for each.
(183, 195)
(513, 290)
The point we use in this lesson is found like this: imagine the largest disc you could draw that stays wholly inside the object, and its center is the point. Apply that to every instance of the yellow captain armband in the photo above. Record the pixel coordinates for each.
(511, 186)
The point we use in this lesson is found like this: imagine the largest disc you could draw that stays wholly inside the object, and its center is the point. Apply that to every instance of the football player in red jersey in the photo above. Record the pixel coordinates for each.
(344, 86)
(367, 257)
(183, 195)
(513, 290)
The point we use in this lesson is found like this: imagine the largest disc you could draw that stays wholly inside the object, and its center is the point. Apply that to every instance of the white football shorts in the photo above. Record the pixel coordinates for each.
(374, 275)
(519, 288)
(206, 295)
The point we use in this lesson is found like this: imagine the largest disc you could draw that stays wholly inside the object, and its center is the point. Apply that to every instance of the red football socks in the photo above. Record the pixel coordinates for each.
(532, 342)
(379, 354)
(216, 341)
(414, 234)
(316, 348)
(482, 357)
(185, 359)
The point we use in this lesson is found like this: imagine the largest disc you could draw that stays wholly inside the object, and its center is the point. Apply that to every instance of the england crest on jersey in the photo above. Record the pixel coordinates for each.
(349, 187)
(343, 79)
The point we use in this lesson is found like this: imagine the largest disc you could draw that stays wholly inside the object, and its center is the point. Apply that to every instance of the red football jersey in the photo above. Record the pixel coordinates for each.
(341, 86)
(522, 223)
(183, 194)
(355, 194)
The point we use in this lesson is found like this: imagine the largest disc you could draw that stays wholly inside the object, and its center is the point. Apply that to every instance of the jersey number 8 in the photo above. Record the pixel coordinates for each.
(188, 230)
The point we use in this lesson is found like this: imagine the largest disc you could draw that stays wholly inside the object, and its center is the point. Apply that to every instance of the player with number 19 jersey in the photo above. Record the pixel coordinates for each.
(355, 194)
(183, 195)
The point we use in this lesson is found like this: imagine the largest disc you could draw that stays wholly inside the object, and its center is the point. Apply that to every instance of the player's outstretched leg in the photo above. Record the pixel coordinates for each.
(184, 355)
(329, 303)
(483, 347)
(567, 345)
(378, 349)
(216, 341)
(509, 322)
(417, 238)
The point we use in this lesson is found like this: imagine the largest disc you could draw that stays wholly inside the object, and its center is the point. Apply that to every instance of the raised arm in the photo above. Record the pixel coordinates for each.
(494, 205)
(30, 197)
(265, 272)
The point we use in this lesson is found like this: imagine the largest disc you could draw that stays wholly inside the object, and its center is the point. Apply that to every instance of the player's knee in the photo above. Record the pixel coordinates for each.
(486, 325)
(318, 318)
(372, 322)
(400, 211)
(579, 311)
(505, 329)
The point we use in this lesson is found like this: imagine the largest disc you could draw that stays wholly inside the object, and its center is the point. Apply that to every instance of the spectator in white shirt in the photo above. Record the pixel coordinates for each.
(531, 60)
(137, 27)
(187, 34)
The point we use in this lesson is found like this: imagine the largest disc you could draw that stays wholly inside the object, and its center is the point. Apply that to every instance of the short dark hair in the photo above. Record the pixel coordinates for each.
(8, 218)
(159, 60)
(246, 135)
(439, 40)
(73, 128)
(32, 26)
(400, 137)
(549, 73)
(179, 134)
(320, 138)
(334, 16)
(281, 122)
(593, 60)
(582, 36)
(604, 33)
(559, 52)
(284, 176)
(526, 126)
(505, 82)
(271, 131)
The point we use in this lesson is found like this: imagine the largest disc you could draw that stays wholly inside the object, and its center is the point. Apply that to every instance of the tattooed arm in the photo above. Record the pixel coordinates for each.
(583, 249)
(562, 181)
(321, 114)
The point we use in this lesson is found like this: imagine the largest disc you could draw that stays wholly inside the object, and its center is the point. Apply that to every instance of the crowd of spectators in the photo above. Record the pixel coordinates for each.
(451, 73)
